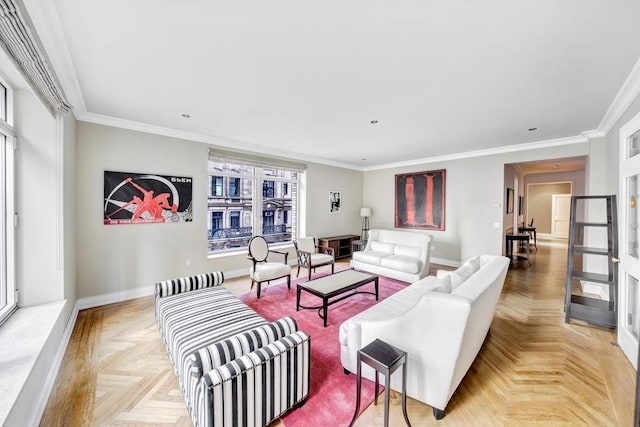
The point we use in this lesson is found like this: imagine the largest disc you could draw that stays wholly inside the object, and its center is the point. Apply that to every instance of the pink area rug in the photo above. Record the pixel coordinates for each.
(332, 396)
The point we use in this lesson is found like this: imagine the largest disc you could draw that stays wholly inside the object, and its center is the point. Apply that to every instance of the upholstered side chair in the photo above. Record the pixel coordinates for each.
(262, 270)
(310, 255)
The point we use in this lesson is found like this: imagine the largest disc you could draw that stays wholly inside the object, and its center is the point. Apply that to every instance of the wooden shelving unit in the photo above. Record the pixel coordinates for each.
(589, 309)
(341, 244)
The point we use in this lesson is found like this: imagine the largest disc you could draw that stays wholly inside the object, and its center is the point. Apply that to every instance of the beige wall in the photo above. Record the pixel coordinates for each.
(539, 203)
(474, 199)
(128, 257)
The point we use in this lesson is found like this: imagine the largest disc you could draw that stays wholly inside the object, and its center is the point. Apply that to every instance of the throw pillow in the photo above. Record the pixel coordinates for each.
(475, 263)
(443, 285)
(386, 248)
(461, 274)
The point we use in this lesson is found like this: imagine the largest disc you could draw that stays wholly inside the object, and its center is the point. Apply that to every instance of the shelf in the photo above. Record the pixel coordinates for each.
(593, 251)
(593, 310)
(592, 277)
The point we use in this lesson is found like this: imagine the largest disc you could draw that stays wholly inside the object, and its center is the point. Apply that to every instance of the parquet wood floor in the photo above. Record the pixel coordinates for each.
(532, 370)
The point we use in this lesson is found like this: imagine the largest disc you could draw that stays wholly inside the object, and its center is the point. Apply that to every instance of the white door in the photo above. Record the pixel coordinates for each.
(560, 209)
(628, 230)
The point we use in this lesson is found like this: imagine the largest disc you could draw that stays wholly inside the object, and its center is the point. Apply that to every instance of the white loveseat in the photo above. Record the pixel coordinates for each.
(401, 255)
(440, 323)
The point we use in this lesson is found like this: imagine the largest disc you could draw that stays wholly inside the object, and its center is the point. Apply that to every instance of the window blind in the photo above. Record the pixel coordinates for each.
(255, 160)
(18, 40)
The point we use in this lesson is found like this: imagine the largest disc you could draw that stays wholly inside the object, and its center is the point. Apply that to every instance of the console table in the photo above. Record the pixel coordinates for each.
(341, 244)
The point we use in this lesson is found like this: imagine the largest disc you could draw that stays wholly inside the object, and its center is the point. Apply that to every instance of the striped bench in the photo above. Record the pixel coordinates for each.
(234, 368)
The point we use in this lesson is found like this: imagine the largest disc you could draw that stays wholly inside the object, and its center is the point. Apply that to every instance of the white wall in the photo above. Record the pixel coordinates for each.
(131, 257)
(474, 199)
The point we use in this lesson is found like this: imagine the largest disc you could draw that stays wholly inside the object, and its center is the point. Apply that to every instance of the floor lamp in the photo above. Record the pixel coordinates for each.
(365, 213)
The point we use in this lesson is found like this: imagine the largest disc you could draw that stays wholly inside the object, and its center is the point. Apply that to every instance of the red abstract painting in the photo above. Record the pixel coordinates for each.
(420, 200)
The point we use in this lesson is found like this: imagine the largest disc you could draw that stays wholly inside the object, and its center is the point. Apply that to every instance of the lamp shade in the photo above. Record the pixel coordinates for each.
(365, 212)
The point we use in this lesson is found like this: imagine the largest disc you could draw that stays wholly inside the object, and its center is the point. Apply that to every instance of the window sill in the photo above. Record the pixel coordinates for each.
(23, 337)
(243, 251)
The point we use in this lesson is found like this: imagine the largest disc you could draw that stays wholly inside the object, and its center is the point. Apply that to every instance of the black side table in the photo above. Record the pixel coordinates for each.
(358, 245)
(383, 358)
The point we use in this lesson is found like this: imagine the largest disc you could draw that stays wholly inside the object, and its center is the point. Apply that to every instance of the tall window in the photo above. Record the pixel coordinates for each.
(243, 212)
(7, 285)
(216, 185)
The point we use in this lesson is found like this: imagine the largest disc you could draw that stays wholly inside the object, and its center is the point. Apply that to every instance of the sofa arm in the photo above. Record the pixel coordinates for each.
(256, 388)
(188, 283)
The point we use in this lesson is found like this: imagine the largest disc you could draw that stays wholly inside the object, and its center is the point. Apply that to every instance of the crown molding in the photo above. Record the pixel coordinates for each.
(487, 152)
(627, 93)
(205, 139)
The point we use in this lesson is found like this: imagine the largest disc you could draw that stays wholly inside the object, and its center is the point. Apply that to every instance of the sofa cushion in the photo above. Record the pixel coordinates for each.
(410, 251)
(460, 275)
(402, 263)
(186, 284)
(383, 247)
(269, 270)
(369, 257)
(317, 259)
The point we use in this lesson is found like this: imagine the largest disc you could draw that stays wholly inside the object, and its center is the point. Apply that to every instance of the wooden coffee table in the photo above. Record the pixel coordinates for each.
(335, 285)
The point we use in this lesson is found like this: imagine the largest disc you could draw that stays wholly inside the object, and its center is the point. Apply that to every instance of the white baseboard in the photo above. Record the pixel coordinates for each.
(447, 262)
(114, 297)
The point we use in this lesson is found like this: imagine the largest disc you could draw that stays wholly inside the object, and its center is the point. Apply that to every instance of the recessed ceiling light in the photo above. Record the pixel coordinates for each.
(363, 159)
(532, 129)
(373, 122)
(186, 116)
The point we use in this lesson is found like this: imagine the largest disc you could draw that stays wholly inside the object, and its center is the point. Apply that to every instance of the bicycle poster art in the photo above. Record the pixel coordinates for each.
(133, 198)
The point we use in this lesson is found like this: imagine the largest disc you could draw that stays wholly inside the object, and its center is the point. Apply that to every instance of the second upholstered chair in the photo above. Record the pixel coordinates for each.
(263, 271)
(310, 255)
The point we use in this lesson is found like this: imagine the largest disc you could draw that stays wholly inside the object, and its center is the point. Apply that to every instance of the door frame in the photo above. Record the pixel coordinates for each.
(553, 212)
(626, 339)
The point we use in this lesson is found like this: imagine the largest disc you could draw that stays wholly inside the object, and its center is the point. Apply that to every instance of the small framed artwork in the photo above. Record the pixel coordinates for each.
(335, 199)
(509, 203)
(520, 205)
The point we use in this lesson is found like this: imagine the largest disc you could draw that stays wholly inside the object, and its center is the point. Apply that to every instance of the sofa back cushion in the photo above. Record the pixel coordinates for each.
(189, 283)
(409, 251)
(384, 247)
(307, 244)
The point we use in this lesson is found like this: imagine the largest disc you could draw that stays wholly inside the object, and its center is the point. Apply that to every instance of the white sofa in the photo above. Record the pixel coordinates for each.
(440, 322)
(401, 255)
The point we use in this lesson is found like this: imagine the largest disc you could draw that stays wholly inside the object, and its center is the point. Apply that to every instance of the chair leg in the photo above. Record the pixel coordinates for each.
(309, 273)
(332, 267)
(259, 286)
(289, 281)
(252, 283)
(298, 273)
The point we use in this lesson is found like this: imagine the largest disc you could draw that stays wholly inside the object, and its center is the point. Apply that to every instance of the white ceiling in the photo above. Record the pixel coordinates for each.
(306, 78)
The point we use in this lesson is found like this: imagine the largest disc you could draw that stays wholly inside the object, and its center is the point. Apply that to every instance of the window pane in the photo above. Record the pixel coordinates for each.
(633, 314)
(232, 208)
(3, 102)
(633, 145)
(278, 211)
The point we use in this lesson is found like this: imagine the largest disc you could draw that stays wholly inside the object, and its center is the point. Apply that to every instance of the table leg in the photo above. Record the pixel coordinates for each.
(386, 399)
(404, 392)
(377, 390)
(527, 250)
(298, 289)
(358, 385)
(325, 302)
(375, 284)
